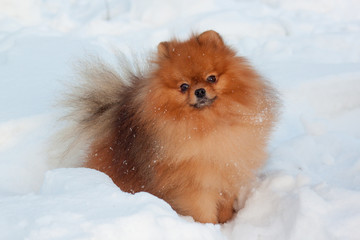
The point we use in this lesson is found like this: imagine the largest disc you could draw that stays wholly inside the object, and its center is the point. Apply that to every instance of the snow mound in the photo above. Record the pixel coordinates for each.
(85, 204)
(288, 207)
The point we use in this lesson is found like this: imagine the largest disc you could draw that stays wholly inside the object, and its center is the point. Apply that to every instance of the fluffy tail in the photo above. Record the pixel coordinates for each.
(90, 106)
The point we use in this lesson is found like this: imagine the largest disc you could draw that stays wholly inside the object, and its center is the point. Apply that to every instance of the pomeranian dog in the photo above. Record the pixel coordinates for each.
(192, 129)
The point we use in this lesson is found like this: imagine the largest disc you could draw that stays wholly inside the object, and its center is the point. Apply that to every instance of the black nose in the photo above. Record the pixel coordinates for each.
(200, 93)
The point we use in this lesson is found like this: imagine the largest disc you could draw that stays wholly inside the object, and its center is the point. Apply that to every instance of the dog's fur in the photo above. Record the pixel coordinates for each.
(148, 135)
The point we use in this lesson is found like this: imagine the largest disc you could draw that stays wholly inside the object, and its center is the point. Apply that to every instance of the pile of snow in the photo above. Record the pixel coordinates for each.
(85, 204)
(310, 188)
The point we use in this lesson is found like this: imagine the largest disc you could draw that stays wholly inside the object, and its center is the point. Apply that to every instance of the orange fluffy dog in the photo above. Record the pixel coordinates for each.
(191, 130)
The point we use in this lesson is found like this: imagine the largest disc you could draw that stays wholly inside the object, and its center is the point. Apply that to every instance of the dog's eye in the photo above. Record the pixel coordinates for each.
(184, 87)
(211, 79)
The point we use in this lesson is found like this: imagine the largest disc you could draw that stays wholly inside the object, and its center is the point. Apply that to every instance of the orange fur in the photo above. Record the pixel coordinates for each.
(195, 158)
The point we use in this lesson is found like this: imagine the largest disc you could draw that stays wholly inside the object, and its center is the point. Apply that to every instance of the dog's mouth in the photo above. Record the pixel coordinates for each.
(203, 102)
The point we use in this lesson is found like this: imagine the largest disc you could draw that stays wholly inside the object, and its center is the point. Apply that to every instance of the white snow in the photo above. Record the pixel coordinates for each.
(310, 188)
(85, 204)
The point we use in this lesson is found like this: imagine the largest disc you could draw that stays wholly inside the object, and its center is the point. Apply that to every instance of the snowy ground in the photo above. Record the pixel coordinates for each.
(310, 50)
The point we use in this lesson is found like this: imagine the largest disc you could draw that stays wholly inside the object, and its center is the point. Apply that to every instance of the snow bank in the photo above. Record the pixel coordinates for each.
(310, 188)
(288, 207)
(86, 204)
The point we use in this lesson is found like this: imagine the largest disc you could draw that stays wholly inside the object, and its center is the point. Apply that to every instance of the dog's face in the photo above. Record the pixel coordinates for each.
(200, 77)
(198, 92)
(191, 71)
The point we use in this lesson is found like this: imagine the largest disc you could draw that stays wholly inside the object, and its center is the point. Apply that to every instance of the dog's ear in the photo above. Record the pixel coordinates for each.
(163, 49)
(211, 37)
